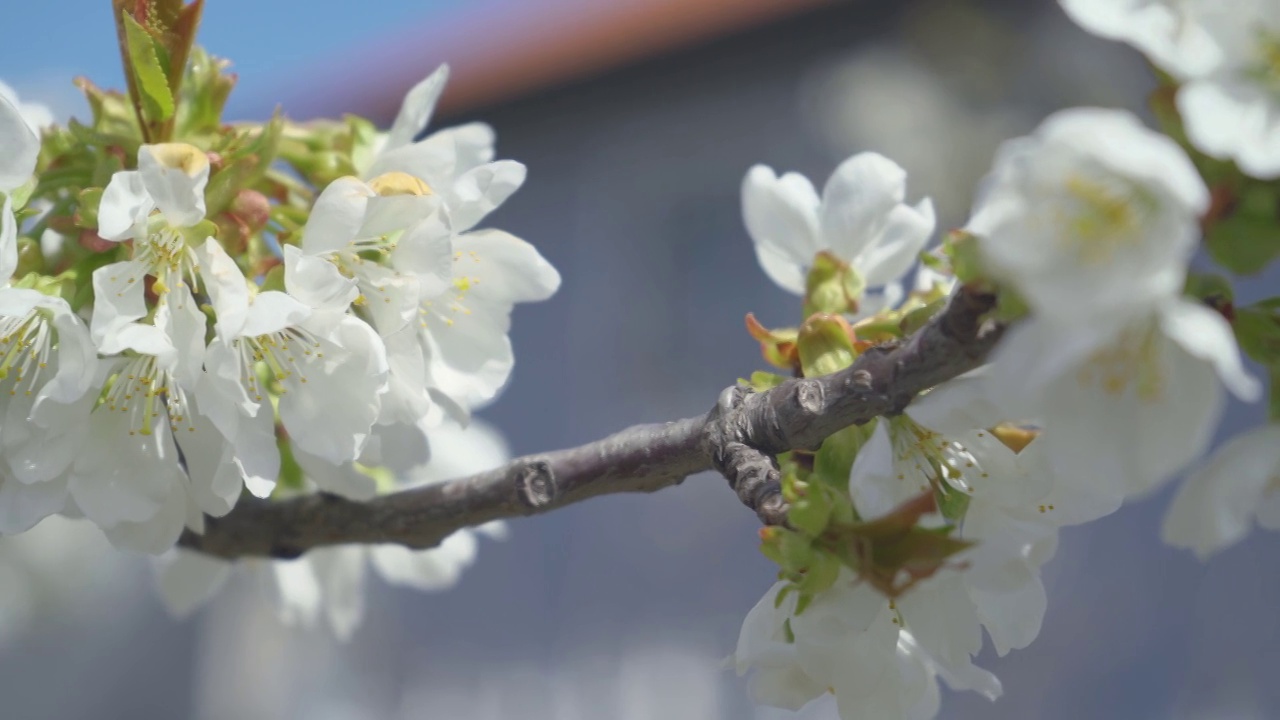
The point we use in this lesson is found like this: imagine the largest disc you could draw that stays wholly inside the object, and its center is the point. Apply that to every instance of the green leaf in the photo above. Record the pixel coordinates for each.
(1274, 406)
(1244, 243)
(153, 84)
(1209, 286)
(1258, 332)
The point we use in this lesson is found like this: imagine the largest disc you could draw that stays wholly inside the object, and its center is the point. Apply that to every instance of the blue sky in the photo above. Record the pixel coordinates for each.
(46, 43)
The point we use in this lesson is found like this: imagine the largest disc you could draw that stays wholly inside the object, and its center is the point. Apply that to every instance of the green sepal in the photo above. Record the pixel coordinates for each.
(832, 286)
(21, 195)
(961, 248)
(821, 573)
(87, 203)
(291, 475)
(274, 279)
(809, 513)
(952, 503)
(825, 345)
(30, 257)
(761, 381)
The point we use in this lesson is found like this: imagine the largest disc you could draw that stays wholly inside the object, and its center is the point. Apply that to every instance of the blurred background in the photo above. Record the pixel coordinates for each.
(637, 119)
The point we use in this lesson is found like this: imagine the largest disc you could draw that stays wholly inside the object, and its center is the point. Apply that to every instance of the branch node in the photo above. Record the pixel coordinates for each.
(810, 396)
(536, 484)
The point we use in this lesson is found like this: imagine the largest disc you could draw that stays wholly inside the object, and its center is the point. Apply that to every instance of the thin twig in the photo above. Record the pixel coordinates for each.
(740, 437)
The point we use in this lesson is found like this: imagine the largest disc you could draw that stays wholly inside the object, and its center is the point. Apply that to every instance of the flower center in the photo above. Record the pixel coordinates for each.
(283, 354)
(24, 351)
(166, 255)
(1266, 67)
(929, 459)
(1101, 215)
(450, 303)
(143, 390)
(1132, 362)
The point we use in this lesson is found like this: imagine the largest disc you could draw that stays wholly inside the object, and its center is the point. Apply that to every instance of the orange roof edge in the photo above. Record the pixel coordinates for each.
(537, 45)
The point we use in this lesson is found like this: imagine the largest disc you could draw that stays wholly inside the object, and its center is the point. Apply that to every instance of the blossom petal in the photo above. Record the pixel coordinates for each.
(341, 574)
(857, 201)
(1216, 505)
(8, 241)
(316, 282)
(1205, 334)
(479, 191)
(415, 112)
(19, 147)
(175, 175)
(190, 579)
(336, 217)
(438, 568)
(125, 203)
(331, 418)
(781, 215)
(1232, 120)
(226, 286)
(502, 268)
(23, 505)
(119, 300)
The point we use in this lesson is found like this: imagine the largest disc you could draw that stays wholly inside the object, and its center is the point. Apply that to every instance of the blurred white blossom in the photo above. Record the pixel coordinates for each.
(1219, 502)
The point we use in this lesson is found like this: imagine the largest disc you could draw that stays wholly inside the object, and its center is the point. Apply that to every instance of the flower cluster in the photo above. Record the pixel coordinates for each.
(909, 538)
(192, 312)
(1225, 57)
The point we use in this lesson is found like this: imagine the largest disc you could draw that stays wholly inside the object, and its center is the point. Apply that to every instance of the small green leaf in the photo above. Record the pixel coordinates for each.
(1274, 406)
(1209, 286)
(834, 459)
(152, 82)
(821, 574)
(1257, 330)
(809, 514)
(761, 381)
(1244, 243)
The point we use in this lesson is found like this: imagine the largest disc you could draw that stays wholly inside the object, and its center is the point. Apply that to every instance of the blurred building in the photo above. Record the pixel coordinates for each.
(637, 120)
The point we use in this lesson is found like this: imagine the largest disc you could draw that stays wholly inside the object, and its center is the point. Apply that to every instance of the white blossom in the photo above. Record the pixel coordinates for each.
(1219, 501)
(19, 148)
(331, 372)
(326, 586)
(942, 444)
(1090, 215)
(861, 219)
(849, 642)
(170, 178)
(1130, 402)
(152, 460)
(1170, 32)
(459, 342)
(1232, 111)
(47, 368)
(47, 363)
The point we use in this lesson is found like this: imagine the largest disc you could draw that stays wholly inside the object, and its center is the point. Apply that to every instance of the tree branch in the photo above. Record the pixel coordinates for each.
(739, 438)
